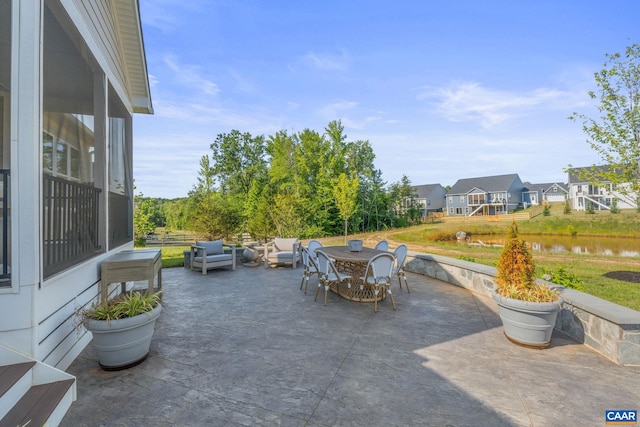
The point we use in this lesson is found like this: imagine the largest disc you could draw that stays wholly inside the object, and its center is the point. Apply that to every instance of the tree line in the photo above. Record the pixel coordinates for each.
(305, 184)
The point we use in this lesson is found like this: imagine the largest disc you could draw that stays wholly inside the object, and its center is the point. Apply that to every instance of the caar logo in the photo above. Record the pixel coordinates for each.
(621, 417)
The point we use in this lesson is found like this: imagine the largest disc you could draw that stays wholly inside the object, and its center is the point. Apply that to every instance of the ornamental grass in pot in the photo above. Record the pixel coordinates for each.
(122, 328)
(528, 309)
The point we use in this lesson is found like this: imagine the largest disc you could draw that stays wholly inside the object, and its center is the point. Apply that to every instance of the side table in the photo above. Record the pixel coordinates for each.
(132, 265)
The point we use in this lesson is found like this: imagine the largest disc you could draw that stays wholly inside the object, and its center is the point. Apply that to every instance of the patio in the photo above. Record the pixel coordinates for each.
(248, 347)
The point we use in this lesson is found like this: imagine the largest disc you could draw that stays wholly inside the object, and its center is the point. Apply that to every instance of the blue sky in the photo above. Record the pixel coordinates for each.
(442, 90)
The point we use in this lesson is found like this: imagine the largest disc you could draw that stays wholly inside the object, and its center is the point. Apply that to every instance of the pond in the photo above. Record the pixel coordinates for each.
(577, 244)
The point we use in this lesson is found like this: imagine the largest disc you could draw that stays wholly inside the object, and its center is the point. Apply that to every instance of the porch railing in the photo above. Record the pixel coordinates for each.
(5, 271)
(70, 229)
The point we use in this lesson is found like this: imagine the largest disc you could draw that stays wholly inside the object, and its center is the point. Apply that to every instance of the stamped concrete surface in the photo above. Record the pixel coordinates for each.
(247, 347)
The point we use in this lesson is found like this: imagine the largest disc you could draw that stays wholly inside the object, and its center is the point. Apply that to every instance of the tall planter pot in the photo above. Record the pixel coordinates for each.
(527, 323)
(123, 343)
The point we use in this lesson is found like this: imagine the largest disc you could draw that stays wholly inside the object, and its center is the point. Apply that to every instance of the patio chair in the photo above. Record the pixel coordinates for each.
(382, 245)
(310, 267)
(398, 269)
(378, 277)
(329, 275)
(208, 255)
(312, 246)
(282, 251)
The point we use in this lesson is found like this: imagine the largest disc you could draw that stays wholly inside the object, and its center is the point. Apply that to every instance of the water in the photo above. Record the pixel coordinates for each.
(580, 245)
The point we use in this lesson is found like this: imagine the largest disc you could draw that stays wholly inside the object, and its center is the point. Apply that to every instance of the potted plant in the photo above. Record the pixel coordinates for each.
(528, 309)
(122, 328)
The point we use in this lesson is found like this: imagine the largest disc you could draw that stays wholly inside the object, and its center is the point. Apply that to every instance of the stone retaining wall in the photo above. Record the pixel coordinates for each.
(608, 328)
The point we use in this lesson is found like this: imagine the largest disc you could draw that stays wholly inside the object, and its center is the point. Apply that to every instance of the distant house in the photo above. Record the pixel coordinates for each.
(489, 195)
(534, 194)
(430, 197)
(600, 195)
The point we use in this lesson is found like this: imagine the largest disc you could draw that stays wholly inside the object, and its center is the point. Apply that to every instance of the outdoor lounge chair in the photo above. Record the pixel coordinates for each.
(282, 251)
(208, 255)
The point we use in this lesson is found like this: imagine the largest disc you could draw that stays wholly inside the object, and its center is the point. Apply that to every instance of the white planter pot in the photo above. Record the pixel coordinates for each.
(527, 323)
(123, 343)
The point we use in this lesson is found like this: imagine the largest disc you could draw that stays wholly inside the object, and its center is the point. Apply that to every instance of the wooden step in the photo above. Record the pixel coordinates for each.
(10, 374)
(35, 408)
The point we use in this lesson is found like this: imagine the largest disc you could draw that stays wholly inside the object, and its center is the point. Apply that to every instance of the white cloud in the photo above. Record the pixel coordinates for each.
(471, 102)
(191, 76)
(326, 61)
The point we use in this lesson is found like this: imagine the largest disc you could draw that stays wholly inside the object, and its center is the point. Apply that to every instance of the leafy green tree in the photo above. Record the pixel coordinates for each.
(615, 135)
(142, 223)
(345, 192)
(567, 207)
(239, 159)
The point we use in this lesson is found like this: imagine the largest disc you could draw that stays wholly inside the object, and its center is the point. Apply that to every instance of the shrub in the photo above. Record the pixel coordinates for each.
(546, 211)
(515, 278)
(567, 207)
(563, 278)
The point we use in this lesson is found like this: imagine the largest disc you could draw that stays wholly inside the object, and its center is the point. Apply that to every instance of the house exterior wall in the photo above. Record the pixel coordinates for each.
(555, 194)
(39, 314)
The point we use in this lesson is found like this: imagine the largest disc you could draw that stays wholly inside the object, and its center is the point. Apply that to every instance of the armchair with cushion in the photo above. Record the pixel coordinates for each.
(208, 255)
(282, 251)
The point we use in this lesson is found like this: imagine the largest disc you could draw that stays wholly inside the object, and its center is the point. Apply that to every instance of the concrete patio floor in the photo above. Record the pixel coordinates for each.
(247, 347)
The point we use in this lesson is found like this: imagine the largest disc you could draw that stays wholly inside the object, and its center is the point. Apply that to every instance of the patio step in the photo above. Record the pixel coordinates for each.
(31, 392)
(38, 405)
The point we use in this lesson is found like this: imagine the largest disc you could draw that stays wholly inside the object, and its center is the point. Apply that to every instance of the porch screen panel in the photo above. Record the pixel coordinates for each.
(5, 89)
(120, 171)
(70, 197)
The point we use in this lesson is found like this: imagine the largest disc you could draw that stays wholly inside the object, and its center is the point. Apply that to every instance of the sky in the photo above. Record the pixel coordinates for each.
(441, 89)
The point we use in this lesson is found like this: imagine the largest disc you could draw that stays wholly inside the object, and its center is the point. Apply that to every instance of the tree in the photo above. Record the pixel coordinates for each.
(345, 193)
(142, 224)
(615, 136)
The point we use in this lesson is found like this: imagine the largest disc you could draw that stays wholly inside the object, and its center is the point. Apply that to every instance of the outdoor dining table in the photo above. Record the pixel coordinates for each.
(353, 263)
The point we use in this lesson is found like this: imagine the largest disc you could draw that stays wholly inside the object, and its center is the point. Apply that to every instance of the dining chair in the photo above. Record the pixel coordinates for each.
(382, 245)
(310, 267)
(398, 269)
(329, 274)
(378, 276)
(313, 245)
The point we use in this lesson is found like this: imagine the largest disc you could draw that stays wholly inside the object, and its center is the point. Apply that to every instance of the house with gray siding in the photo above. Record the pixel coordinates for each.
(430, 198)
(489, 195)
(535, 194)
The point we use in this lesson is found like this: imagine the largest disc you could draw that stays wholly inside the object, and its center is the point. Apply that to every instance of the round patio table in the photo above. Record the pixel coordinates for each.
(354, 264)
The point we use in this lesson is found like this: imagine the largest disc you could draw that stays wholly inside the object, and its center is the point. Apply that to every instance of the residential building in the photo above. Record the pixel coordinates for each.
(72, 73)
(430, 198)
(489, 195)
(600, 195)
(535, 194)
